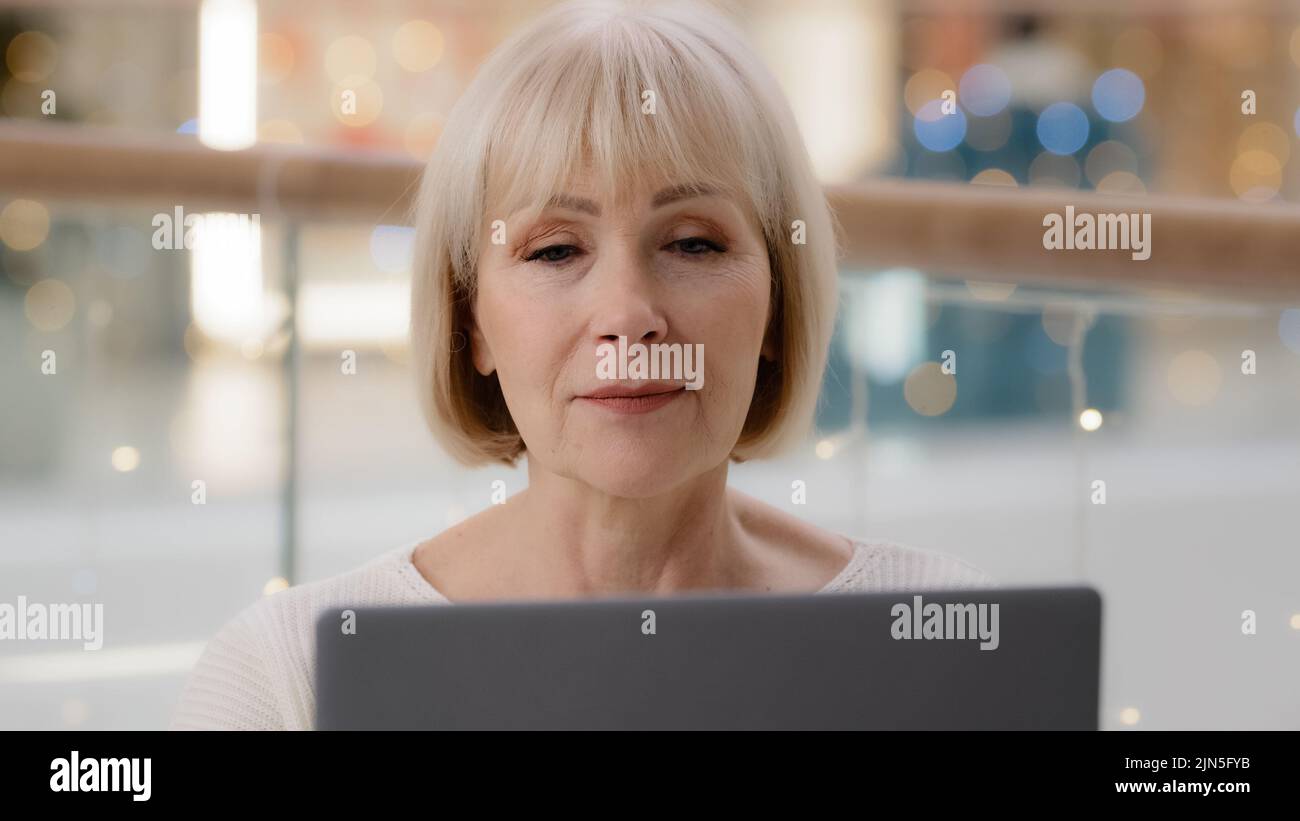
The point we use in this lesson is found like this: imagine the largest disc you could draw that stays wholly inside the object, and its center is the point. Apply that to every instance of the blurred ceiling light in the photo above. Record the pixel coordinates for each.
(1129, 716)
(226, 295)
(228, 74)
(24, 224)
(1295, 621)
(417, 45)
(125, 459)
(825, 449)
(31, 56)
(338, 313)
(1090, 419)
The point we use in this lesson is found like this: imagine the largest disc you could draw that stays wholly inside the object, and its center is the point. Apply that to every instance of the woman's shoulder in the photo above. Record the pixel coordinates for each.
(883, 566)
(257, 671)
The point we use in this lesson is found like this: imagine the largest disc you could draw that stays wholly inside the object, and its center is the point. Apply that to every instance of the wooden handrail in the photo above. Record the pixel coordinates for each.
(1199, 247)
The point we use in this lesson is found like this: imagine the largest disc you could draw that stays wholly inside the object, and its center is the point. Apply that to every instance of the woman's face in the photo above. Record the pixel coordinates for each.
(672, 266)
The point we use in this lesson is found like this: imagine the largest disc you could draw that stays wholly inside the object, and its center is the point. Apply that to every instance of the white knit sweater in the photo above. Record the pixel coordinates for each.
(258, 672)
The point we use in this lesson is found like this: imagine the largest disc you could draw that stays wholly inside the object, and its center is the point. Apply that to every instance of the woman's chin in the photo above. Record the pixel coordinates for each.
(637, 475)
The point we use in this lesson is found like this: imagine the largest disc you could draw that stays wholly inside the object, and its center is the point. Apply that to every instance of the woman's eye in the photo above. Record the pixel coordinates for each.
(697, 246)
(553, 254)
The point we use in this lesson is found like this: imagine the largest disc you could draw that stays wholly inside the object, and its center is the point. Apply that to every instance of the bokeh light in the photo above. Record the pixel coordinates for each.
(939, 132)
(49, 305)
(1062, 128)
(417, 45)
(1090, 419)
(24, 224)
(125, 459)
(1121, 182)
(994, 176)
(1059, 321)
(1255, 175)
(1108, 157)
(1268, 137)
(31, 57)
(929, 391)
(985, 90)
(1118, 95)
(924, 87)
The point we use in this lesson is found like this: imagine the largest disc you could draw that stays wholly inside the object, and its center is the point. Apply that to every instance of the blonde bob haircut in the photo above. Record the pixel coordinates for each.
(639, 94)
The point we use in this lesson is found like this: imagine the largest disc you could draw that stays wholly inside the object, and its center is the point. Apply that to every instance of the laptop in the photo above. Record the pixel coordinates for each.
(1008, 659)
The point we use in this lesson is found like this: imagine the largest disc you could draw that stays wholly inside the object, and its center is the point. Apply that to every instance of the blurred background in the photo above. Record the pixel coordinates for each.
(218, 374)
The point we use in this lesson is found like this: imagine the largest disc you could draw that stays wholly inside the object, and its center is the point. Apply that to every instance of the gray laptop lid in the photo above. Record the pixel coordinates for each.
(1029, 659)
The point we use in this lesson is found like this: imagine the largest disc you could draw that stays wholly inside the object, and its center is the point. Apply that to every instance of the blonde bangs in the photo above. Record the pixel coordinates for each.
(638, 111)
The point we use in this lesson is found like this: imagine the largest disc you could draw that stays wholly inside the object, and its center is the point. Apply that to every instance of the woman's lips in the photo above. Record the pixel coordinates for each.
(633, 404)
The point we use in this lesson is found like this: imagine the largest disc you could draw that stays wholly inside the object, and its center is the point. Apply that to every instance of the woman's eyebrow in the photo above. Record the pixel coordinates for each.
(681, 192)
(574, 204)
(665, 197)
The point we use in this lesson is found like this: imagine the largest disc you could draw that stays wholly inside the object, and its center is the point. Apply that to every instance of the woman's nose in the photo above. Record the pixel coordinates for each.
(627, 300)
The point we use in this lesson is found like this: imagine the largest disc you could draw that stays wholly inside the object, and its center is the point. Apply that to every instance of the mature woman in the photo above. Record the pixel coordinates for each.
(613, 176)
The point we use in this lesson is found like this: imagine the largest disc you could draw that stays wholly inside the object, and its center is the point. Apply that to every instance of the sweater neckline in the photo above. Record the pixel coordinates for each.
(405, 554)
